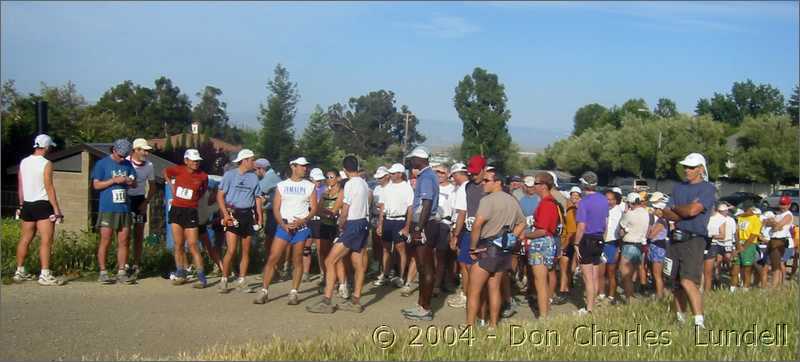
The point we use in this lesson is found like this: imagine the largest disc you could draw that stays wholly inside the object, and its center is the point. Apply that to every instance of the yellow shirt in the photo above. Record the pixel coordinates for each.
(749, 225)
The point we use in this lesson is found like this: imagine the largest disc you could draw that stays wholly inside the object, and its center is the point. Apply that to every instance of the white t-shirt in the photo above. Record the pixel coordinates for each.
(445, 193)
(766, 231)
(612, 224)
(784, 231)
(459, 200)
(144, 173)
(730, 231)
(31, 169)
(356, 194)
(396, 198)
(636, 222)
(714, 223)
(295, 198)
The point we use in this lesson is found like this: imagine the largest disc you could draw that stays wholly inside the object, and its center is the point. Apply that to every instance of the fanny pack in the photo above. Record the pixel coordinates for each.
(505, 240)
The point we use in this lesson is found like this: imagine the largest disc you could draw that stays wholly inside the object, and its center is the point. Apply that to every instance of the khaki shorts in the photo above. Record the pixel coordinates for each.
(114, 220)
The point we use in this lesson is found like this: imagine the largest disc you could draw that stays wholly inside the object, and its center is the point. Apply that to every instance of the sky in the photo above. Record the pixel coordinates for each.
(552, 57)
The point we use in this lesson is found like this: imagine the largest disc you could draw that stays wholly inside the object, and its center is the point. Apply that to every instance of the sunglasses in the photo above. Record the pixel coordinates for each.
(331, 177)
(487, 181)
(691, 167)
(539, 183)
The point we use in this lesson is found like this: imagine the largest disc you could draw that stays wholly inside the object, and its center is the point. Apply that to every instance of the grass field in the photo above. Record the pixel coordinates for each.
(643, 330)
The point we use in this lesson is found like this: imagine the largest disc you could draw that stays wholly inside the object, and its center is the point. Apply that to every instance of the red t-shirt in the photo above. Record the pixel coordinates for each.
(546, 215)
(188, 187)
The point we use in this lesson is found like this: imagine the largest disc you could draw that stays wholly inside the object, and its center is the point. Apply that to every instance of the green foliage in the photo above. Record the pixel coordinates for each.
(746, 99)
(277, 119)
(370, 124)
(589, 116)
(793, 105)
(768, 150)
(666, 108)
(317, 144)
(75, 253)
(480, 100)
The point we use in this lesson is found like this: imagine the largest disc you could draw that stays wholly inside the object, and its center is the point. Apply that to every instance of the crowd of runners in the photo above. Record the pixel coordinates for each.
(464, 231)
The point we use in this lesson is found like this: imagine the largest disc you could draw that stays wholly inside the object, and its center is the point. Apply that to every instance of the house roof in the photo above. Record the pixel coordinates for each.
(98, 150)
(160, 143)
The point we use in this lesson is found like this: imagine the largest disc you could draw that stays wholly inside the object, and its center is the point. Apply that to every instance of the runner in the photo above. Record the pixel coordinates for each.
(145, 176)
(747, 248)
(762, 263)
(328, 211)
(658, 237)
(394, 221)
(591, 218)
(567, 261)
(528, 203)
(633, 226)
(611, 240)
(354, 230)
(237, 195)
(780, 240)
(206, 208)
(268, 180)
(498, 224)
(717, 231)
(425, 231)
(543, 241)
(188, 183)
(443, 262)
(690, 206)
(318, 178)
(459, 240)
(381, 177)
(38, 209)
(295, 204)
(113, 176)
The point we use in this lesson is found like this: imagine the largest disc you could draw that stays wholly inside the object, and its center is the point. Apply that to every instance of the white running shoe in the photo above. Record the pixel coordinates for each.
(343, 292)
(380, 281)
(48, 280)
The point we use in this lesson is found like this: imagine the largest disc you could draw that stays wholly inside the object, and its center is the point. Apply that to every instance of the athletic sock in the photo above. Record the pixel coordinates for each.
(698, 320)
(45, 272)
(21, 269)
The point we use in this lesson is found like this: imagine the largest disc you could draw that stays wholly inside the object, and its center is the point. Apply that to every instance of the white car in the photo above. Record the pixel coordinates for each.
(771, 202)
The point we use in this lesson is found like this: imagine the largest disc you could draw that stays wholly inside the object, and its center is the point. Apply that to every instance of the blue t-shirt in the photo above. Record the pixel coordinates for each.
(529, 203)
(427, 189)
(115, 197)
(240, 189)
(685, 193)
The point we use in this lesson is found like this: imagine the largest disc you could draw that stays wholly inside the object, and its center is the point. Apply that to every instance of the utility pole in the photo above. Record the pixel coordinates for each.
(405, 135)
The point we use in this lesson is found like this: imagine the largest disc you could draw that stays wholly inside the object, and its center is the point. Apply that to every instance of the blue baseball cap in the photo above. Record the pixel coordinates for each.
(123, 147)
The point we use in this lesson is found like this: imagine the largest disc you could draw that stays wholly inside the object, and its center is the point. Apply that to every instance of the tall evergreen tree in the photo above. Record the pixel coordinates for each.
(277, 119)
(317, 144)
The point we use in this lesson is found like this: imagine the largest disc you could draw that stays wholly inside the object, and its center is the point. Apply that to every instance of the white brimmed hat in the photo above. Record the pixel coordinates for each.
(575, 189)
(397, 168)
(529, 181)
(633, 198)
(316, 174)
(381, 172)
(419, 152)
(458, 167)
(299, 161)
(694, 160)
(192, 154)
(141, 143)
(244, 154)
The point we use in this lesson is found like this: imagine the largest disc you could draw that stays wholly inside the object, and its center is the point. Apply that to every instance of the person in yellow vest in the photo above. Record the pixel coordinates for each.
(746, 251)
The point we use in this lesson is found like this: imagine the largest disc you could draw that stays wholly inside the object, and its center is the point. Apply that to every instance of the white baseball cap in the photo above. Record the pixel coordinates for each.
(696, 159)
(575, 189)
(419, 152)
(192, 154)
(141, 143)
(616, 190)
(244, 154)
(555, 178)
(299, 161)
(397, 168)
(529, 181)
(43, 141)
(458, 167)
(381, 172)
(654, 197)
(316, 175)
(633, 198)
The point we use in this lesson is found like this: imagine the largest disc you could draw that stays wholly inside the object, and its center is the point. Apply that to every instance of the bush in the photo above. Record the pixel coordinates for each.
(75, 253)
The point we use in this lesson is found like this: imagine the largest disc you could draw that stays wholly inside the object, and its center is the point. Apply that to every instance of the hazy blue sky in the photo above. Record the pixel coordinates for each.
(552, 57)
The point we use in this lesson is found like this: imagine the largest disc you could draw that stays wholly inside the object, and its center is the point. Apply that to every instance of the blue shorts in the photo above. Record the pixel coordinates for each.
(657, 253)
(763, 256)
(610, 249)
(463, 249)
(542, 251)
(391, 230)
(355, 234)
(788, 254)
(293, 238)
(632, 252)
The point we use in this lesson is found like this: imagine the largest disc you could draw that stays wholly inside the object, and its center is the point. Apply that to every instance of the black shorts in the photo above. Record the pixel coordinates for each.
(443, 240)
(314, 225)
(328, 231)
(431, 234)
(136, 201)
(246, 220)
(184, 216)
(591, 249)
(36, 210)
(202, 229)
(494, 259)
(684, 260)
(712, 251)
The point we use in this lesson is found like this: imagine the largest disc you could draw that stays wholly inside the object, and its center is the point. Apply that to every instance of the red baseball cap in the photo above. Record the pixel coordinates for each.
(786, 200)
(476, 164)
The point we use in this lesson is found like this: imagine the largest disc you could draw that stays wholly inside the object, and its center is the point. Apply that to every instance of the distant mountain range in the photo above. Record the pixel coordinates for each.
(440, 134)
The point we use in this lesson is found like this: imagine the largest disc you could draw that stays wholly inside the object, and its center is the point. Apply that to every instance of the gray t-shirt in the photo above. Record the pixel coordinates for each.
(240, 189)
(499, 209)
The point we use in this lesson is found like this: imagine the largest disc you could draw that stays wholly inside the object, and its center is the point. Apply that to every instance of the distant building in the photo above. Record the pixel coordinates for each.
(191, 139)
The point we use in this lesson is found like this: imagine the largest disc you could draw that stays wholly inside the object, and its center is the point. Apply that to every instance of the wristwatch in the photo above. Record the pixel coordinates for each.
(417, 228)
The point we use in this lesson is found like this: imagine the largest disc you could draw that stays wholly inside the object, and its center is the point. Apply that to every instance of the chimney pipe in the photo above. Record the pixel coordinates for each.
(41, 116)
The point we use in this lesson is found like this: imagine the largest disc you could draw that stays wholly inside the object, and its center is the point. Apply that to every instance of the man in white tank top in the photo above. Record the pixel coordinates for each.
(780, 239)
(293, 205)
(38, 209)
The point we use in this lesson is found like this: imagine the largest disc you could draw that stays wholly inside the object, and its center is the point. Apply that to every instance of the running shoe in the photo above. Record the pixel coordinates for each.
(380, 281)
(559, 299)
(23, 276)
(105, 278)
(134, 272)
(201, 282)
(122, 277)
(343, 292)
(48, 280)
(418, 314)
(262, 297)
(306, 277)
(582, 312)
(398, 282)
(241, 285)
(508, 310)
(457, 300)
(349, 306)
(321, 307)
(293, 297)
(223, 286)
(406, 291)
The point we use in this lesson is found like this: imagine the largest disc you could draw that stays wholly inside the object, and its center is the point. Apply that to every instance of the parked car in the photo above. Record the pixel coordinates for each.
(742, 199)
(629, 184)
(772, 200)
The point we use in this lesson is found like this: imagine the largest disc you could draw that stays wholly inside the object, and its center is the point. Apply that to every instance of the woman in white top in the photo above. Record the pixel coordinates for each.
(780, 239)
(38, 209)
(293, 205)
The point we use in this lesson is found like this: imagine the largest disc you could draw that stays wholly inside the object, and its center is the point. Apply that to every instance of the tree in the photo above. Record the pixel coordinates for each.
(316, 143)
(480, 101)
(65, 108)
(169, 106)
(370, 124)
(793, 105)
(212, 116)
(277, 119)
(767, 150)
(746, 99)
(130, 103)
(589, 116)
(666, 108)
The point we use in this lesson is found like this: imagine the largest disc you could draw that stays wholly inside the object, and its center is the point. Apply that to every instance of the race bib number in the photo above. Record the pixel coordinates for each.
(119, 196)
(184, 193)
(529, 220)
(468, 223)
(667, 266)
